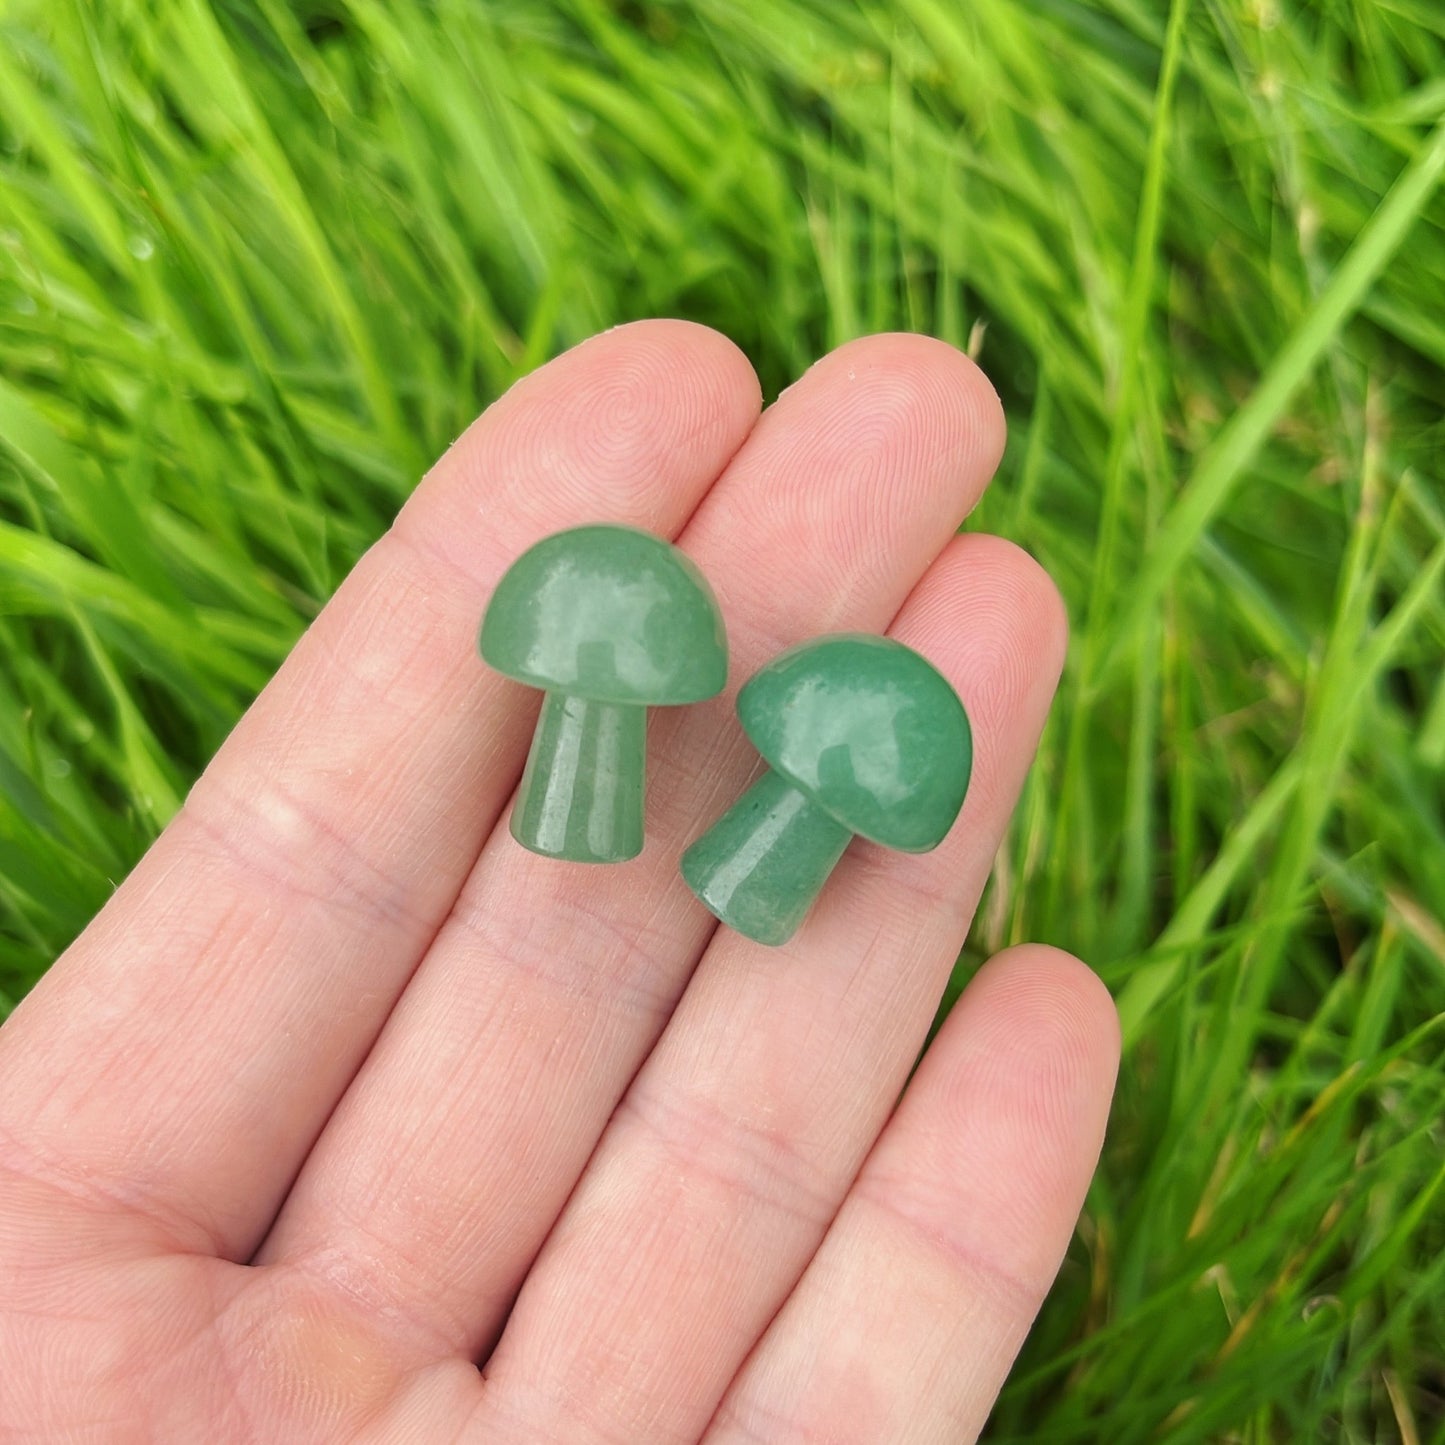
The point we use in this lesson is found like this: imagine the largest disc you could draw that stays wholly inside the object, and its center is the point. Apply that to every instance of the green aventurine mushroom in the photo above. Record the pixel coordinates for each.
(609, 621)
(863, 737)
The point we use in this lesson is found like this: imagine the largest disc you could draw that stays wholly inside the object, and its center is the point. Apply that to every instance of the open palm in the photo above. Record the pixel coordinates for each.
(344, 1094)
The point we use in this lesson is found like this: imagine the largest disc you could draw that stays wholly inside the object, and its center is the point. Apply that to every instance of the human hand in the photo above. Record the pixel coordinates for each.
(344, 1092)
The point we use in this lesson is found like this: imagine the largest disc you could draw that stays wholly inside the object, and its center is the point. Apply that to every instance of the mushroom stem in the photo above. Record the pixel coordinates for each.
(760, 866)
(581, 794)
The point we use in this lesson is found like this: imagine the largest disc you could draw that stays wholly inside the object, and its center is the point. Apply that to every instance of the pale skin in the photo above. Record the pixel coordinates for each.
(344, 1094)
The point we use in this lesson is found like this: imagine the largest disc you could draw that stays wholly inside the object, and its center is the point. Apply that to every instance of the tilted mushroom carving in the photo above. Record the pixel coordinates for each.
(609, 621)
(863, 737)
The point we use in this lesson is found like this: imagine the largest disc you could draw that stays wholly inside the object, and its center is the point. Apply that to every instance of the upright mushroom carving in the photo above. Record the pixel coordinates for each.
(862, 737)
(609, 621)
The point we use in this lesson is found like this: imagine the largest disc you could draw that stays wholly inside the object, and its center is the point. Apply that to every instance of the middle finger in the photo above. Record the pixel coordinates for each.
(451, 1155)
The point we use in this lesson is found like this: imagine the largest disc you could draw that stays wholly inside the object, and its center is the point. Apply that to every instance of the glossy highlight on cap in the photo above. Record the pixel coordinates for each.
(609, 613)
(873, 733)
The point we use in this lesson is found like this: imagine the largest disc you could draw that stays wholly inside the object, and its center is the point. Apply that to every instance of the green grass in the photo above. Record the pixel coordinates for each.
(261, 259)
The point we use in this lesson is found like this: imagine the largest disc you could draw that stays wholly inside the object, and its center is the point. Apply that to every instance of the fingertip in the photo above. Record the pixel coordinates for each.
(1096, 1009)
(1032, 1049)
(659, 346)
(646, 401)
(689, 360)
(632, 425)
(979, 575)
(1049, 1001)
(940, 391)
(711, 348)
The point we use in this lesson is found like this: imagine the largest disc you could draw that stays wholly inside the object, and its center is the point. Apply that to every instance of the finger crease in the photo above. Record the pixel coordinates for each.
(760, 1163)
(891, 1196)
(180, 1233)
(273, 836)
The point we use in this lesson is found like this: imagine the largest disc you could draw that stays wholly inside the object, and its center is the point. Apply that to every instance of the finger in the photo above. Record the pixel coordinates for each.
(183, 1055)
(739, 1137)
(454, 1151)
(910, 1314)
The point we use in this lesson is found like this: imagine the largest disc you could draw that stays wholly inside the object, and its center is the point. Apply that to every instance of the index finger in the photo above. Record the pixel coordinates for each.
(185, 1052)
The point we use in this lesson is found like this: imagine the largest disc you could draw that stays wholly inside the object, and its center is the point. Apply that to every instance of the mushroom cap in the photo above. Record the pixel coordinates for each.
(608, 613)
(869, 731)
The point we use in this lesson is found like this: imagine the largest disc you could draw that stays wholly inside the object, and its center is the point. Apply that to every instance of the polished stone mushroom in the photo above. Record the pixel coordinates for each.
(609, 621)
(862, 737)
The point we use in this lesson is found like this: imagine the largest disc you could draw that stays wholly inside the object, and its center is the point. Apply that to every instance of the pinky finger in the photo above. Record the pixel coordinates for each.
(910, 1314)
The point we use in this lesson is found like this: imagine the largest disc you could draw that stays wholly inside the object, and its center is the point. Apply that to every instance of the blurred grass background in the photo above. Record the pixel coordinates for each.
(260, 260)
